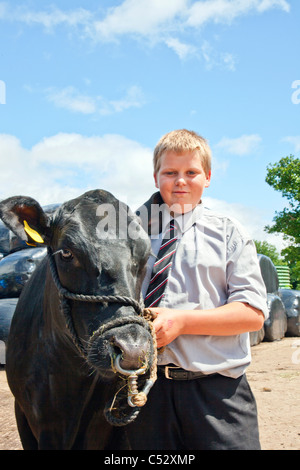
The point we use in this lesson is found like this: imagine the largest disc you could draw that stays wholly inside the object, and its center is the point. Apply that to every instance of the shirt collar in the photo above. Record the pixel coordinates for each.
(155, 216)
(183, 221)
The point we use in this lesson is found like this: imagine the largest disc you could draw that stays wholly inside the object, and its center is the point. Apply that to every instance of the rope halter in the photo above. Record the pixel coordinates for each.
(145, 317)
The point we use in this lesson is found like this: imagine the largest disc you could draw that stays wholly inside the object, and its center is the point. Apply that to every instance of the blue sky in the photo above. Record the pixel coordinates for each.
(88, 88)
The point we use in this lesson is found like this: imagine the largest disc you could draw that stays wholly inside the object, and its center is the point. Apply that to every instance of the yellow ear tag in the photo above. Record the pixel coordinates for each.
(32, 233)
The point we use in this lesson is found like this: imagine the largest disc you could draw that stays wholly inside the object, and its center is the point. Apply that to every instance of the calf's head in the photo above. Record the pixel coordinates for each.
(98, 248)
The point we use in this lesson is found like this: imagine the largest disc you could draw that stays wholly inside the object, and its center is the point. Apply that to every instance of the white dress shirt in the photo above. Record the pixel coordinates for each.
(215, 264)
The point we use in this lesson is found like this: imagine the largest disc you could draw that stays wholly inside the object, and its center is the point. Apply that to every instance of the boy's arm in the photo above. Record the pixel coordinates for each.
(230, 319)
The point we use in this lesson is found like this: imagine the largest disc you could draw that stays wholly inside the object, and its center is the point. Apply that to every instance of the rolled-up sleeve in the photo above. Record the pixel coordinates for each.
(244, 280)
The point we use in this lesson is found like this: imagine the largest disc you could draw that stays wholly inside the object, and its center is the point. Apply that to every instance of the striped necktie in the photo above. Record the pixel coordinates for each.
(161, 268)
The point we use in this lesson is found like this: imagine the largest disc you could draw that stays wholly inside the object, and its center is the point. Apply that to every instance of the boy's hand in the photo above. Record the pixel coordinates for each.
(168, 325)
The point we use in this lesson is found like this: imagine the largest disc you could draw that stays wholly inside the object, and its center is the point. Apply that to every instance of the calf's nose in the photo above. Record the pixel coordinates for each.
(134, 350)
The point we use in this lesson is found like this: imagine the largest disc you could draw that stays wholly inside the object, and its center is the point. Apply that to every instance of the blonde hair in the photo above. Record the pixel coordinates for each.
(183, 141)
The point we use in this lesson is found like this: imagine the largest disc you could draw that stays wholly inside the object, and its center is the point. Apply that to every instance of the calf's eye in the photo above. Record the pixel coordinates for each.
(66, 255)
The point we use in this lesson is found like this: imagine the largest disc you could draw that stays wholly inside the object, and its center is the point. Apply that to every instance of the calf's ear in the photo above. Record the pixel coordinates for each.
(26, 218)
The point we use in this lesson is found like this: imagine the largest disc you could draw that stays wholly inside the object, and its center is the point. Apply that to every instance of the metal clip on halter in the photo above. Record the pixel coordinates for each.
(132, 381)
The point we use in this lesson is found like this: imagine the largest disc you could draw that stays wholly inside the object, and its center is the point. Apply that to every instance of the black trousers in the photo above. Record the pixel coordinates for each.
(211, 413)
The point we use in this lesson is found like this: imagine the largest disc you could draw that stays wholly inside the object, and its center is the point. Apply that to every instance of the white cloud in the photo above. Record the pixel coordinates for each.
(294, 140)
(244, 145)
(265, 5)
(130, 18)
(134, 98)
(48, 18)
(65, 165)
(225, 11)
(229, 61)
(181, 49)
(214, 58)
(156, 21)
(141, 17)
(71, 99)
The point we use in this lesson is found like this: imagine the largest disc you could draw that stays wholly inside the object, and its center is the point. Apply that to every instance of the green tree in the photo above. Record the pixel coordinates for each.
(265, 248)
(284, 176)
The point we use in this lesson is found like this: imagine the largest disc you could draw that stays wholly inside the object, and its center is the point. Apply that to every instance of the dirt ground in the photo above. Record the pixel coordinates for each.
(274, 376)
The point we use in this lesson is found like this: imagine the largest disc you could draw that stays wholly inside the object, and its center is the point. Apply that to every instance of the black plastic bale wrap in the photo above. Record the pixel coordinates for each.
(275, 326)
(7, 309)
(16, 269)
(291, 300)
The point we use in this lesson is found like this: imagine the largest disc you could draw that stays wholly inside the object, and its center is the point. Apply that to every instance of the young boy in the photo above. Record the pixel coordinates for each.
(214, 296)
